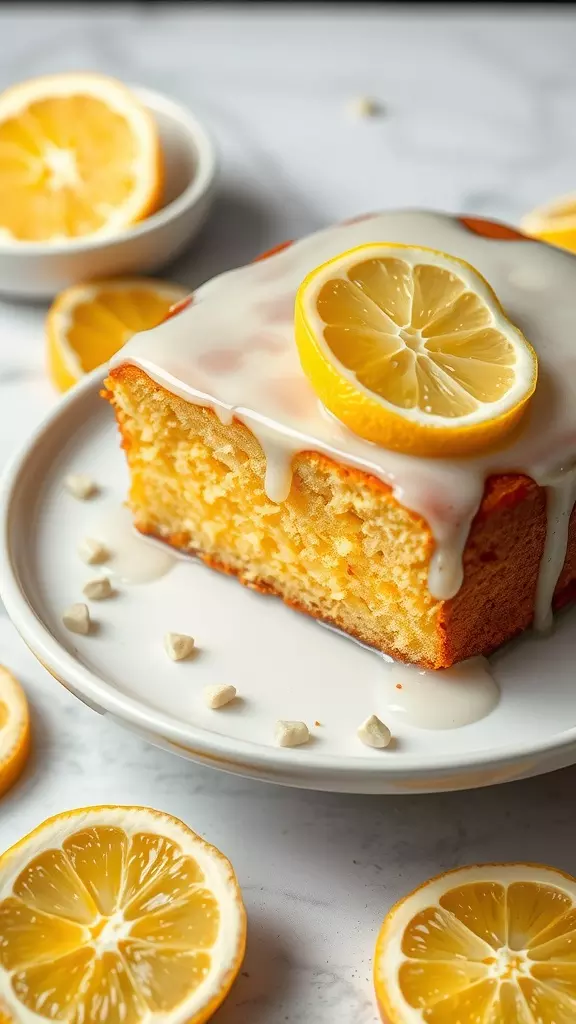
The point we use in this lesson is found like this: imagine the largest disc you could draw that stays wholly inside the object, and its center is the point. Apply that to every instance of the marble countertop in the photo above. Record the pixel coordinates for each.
(478, 115)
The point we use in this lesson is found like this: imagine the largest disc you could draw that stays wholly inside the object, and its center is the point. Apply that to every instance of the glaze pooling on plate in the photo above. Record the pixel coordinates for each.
(447, 698)
(133, 558)
(426, 699)
(233, 350)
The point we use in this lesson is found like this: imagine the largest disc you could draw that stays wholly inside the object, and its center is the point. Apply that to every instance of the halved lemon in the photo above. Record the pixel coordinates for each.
(554, 222)
(487, 944)
(410, 349)
(119, 915)
(79, 155)
(88, 323)
(14, 729)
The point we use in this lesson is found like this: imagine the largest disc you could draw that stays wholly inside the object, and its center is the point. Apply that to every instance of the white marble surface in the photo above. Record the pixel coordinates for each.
(479, 117)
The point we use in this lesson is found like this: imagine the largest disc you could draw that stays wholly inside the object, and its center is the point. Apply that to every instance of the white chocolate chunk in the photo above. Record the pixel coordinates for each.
(98, 589)
(178, 645)
(364, 106)
(76, 618)
(374, 733)
(219, 695)
(93, 551)
(291, 734)
(81, 486)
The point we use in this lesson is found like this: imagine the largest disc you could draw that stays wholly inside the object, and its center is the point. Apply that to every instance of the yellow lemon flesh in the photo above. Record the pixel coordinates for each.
(554, 223)
(410, 349)
(87, 324)
(486, 944)
(79, 156)
(117, 914)
(14, 730)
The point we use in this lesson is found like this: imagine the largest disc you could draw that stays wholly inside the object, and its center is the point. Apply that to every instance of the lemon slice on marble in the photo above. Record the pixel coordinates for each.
(410, 348)
(485, 944)
(14, 730)
(119, 915)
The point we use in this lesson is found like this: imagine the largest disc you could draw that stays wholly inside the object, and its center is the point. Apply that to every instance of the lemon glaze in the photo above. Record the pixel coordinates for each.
(132, 557)
(233, 350)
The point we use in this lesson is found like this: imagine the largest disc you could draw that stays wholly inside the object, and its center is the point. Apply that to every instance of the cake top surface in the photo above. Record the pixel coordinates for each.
(233, 350)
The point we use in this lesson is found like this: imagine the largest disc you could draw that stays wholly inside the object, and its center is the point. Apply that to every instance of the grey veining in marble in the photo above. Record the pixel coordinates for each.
(479, 117)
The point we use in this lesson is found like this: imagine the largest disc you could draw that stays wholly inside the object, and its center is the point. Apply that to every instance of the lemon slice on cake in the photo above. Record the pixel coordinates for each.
(410, 349)
(79, 156)
(554, 222)
(486, 944)
(117, 914)
(88, 323)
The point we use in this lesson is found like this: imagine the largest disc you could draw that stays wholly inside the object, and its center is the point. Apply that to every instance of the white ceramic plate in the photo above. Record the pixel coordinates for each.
(283, 664)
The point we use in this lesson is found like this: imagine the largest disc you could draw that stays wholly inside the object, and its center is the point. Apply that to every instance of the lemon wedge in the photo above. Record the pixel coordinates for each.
(119, 915)
(410, 349)
(88, 323)
(485, 944)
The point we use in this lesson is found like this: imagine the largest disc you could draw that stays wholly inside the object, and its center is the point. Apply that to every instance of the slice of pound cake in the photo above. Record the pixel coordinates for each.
(430, 558)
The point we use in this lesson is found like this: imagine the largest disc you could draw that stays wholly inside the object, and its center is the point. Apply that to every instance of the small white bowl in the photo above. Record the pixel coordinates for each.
(36, 270)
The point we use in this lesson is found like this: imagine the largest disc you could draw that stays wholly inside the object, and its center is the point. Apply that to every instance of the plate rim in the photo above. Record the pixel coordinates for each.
(197, 742)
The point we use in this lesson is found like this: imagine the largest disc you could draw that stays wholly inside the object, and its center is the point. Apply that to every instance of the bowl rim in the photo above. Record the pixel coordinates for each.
(199, 139)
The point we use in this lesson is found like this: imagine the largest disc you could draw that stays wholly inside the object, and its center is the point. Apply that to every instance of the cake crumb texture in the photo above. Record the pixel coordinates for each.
(340, 547)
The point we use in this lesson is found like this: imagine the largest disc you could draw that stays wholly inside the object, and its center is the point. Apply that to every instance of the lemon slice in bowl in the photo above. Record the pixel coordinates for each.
(485, 944)
(117, 914)
(88, 323)
(410, 349)
(554, 222)
(80, 156)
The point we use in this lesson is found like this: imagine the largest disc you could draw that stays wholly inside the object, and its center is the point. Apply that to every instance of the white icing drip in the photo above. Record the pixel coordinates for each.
(278, 475)
(278, 478)
(560, 499)
(224, 415)
(233, 350)
(446, 571)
